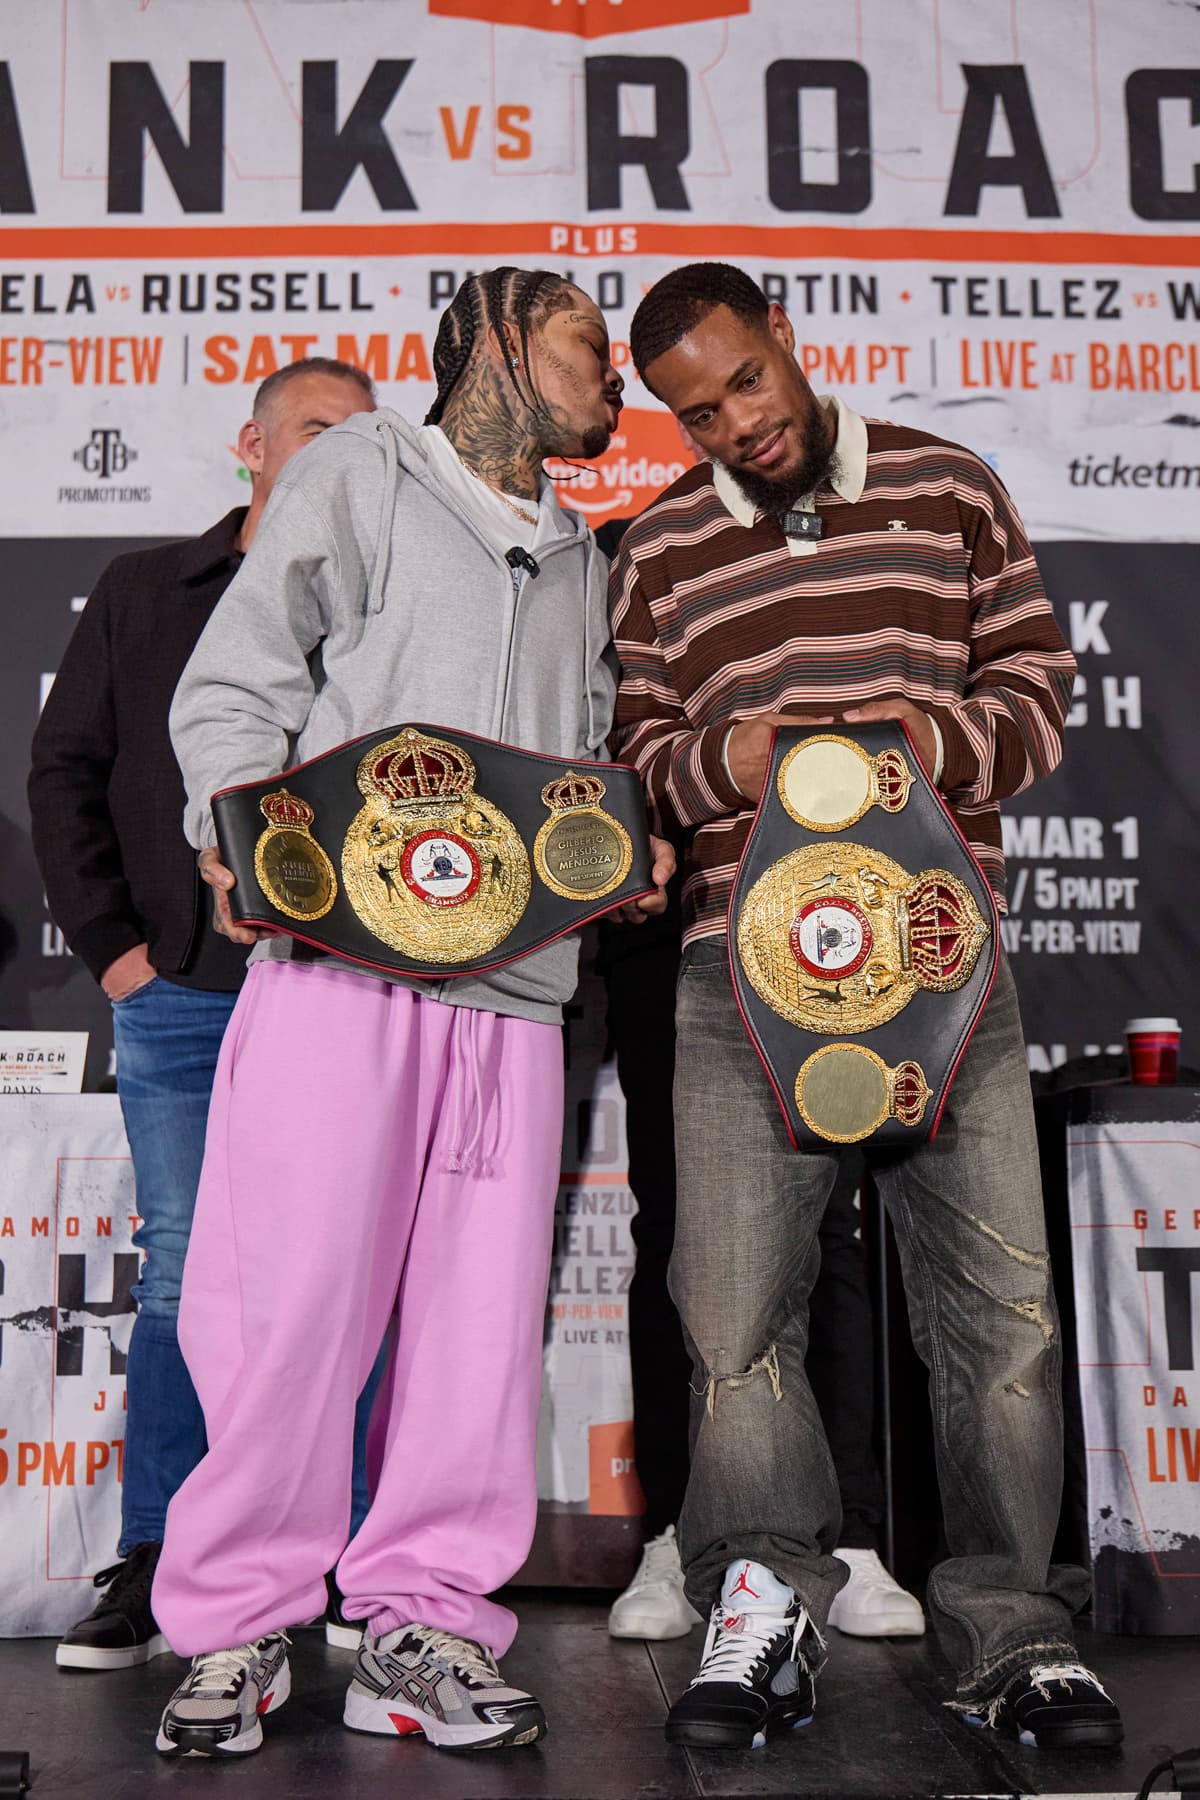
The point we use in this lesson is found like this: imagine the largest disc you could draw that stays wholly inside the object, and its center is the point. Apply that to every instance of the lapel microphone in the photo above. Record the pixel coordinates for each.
(801, 524)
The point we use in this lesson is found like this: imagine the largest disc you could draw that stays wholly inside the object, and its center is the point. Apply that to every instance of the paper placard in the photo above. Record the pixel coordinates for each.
(42, 1062)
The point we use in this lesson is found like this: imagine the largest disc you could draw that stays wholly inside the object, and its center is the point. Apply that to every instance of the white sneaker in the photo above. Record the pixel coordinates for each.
(654, 1604)
(872, 1604)
(219, 1706)
(418, 1679)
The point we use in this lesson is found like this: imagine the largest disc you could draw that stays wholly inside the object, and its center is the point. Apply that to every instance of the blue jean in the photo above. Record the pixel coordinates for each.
(967, 1214)
(167, 1040)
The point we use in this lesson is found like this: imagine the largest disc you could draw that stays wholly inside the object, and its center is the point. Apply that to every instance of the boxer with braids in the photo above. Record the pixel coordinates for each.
(432, 574)
(512, 364)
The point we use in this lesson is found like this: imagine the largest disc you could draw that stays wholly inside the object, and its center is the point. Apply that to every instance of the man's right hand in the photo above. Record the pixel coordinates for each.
(220, 880)
(131, 971)
(749, 745)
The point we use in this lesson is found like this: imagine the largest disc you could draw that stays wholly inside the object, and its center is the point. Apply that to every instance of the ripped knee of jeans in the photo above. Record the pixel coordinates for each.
(767, 1364)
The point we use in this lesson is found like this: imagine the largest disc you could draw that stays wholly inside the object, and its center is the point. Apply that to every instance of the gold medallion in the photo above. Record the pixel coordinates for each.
(844, 1092)
(430, 867)
(581, 852)
(292, 869)
(827, 782)
(838, 938)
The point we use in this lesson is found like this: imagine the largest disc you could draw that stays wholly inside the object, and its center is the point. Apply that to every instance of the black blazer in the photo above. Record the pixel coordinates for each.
(105, 792)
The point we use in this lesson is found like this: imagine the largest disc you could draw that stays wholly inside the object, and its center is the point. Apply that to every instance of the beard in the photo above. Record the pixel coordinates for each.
(595, 441)
(776, 495)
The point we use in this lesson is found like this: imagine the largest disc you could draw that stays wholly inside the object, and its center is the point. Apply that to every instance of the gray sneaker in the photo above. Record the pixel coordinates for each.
(419, 1679)
(217, 1709)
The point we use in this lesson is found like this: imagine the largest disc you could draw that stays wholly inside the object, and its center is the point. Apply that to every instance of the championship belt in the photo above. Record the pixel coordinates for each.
(430, 852)
(863, 938)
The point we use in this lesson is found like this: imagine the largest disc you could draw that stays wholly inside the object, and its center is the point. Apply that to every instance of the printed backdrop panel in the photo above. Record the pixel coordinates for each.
(66, 1214)
(1136, 1231)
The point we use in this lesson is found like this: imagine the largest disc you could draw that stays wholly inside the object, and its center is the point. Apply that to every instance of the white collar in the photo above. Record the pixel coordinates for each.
(849, 480)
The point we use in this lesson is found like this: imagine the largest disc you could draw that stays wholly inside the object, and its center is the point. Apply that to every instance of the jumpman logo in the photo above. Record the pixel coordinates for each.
(742, 1586)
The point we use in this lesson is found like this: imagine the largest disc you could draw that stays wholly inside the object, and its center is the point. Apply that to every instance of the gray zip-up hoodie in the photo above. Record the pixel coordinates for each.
(368, 598)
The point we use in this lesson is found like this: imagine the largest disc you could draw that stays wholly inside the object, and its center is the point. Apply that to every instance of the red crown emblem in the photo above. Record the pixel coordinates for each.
(413, 770)
(945, 931)
(285, 809)
(893, 778)
(573, 789)
(910, 1092)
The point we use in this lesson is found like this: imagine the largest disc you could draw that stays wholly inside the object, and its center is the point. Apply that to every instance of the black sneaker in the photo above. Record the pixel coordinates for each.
(120, 1630)
(759, 1666)
(341, 1633)
(1053, 1706)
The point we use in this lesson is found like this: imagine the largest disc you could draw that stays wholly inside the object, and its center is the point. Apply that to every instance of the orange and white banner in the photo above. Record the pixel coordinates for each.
(981, 219)
(68, 1266)
(1135, 1229)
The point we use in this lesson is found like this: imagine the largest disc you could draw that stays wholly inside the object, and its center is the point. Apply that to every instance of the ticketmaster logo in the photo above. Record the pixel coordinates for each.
(1115, 472)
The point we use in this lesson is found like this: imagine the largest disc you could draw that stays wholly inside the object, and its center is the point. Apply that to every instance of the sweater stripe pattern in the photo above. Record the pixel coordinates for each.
(924, 589)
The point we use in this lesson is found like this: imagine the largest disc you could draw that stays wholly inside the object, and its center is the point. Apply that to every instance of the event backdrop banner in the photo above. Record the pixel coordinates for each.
(981, 220)
(67, 1269)
(1135, 1229)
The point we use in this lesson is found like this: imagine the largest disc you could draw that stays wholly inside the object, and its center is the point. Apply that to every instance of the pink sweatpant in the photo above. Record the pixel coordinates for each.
(366, 1146)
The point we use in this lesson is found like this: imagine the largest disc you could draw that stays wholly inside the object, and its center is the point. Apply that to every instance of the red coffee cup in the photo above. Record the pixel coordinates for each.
(1153, 1046)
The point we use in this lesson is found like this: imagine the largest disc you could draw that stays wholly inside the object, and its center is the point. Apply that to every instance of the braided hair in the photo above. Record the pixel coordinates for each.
(497, 297)
(675, 305)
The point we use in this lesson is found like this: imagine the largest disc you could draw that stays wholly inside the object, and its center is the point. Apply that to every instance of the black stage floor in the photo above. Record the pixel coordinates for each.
(880, 1728)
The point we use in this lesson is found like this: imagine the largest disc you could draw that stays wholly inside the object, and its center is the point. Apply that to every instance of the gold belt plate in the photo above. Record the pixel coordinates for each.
(292, 869)
(431, 868)
(581, 852)
(844, 1092)
(837, 938)
(827, 782)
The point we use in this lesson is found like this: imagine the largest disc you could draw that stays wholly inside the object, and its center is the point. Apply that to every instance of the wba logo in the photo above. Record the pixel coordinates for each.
(590, 18)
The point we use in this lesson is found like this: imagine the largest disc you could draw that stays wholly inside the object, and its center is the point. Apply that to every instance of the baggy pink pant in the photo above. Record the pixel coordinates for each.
(364, 1143)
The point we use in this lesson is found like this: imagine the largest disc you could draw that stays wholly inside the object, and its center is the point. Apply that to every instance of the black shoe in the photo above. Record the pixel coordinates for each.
(120, 1630)
(758, 1670)
(1054, 1706)
(341, 1633)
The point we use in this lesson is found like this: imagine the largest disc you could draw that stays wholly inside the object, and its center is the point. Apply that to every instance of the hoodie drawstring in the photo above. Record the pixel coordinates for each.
(467, 1150)
(383, 533)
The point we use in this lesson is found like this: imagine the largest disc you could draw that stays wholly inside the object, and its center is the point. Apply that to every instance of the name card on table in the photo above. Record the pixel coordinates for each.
(42, 1062)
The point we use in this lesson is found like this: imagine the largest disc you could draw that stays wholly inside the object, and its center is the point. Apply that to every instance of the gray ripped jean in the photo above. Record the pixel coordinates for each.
(967, 1213)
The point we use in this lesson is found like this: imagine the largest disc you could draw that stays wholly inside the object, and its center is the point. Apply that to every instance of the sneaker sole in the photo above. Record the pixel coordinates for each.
(1062, 1737)
(392, 1718)
(728, 1737)
(202, 1740)
(654, 1630)
(90, 1656)
(343, 1637)
(900, 1625)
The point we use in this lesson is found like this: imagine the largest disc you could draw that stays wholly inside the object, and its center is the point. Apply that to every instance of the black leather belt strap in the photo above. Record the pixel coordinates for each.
(434, 852)
(863, 937)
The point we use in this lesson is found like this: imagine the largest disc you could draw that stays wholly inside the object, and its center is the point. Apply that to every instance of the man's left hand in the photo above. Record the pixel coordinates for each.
(636, 912)
(920, 728)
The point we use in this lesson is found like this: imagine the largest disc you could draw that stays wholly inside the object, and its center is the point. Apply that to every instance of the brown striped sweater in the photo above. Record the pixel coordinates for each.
(714, 622)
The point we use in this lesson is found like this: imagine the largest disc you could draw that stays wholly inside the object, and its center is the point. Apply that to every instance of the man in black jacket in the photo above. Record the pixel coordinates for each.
(106, 799)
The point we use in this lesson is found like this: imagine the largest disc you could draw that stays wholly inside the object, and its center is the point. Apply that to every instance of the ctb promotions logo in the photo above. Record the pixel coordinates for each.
(105, 453)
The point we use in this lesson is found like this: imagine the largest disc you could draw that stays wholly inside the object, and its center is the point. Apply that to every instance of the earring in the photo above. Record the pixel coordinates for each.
(515, 361)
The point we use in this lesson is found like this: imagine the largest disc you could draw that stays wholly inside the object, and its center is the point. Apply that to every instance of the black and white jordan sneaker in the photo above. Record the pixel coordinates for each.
(120, 1631)
(758, 1671)
(417, 1679)
(1051, 1706)
(218, 1708)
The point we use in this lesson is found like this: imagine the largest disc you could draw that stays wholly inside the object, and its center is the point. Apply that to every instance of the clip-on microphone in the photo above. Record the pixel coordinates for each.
(517, 558)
